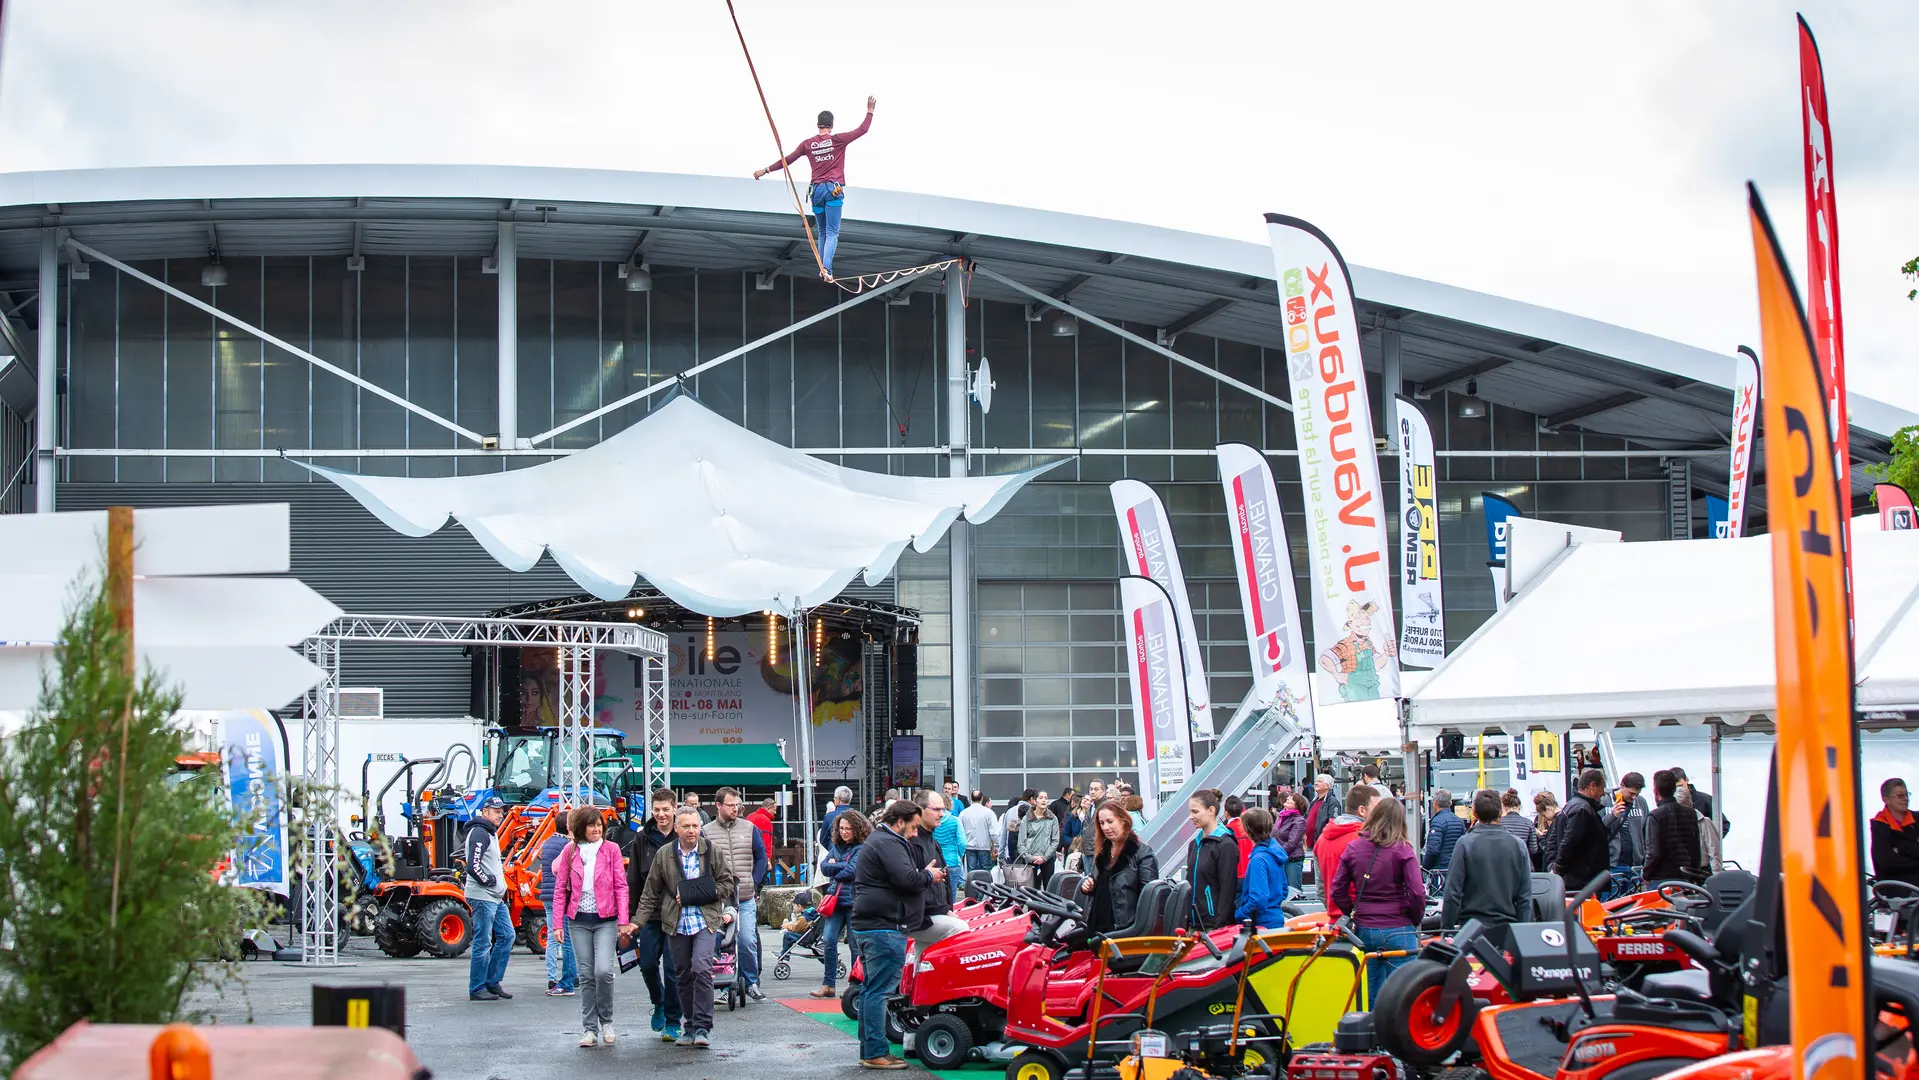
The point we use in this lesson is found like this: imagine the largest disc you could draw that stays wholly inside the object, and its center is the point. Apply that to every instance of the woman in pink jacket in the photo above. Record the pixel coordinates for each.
(590, 894)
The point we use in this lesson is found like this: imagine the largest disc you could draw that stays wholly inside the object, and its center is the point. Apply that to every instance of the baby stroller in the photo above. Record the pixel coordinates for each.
(726, 967)
(803, 932)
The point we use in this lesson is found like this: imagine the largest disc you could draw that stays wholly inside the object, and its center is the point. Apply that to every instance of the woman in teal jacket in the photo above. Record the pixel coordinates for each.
(1265, 887)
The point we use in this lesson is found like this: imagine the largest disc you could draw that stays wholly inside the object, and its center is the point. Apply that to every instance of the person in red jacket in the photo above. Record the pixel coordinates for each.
(763, 818)
(1334, 838)
(825, 154)
(1234, 807)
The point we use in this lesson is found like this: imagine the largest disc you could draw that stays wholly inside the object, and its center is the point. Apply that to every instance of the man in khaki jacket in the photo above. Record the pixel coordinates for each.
(690, 871)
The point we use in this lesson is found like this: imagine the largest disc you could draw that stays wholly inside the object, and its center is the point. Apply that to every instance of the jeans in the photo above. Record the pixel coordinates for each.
(830, 935)
(693, 960)
(1294, 869)
(883, 953)
(826, 210)
(1385, 939)
(492, 944)
(656, 967)
(595, 944)
(749, 923)
(561, 968)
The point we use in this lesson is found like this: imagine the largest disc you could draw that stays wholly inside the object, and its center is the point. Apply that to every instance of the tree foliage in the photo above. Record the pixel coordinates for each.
(1911, 270)
(1903, 469)
(64, 955)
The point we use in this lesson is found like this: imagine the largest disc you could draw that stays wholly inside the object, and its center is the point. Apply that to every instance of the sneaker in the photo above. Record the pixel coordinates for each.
(554, 991)
(659, 1017)
(687, 1039)
(567, 991)
(886, 1062)
(607, 1036)
(500, 992)
(701, 1040)
(754, 993)
(589, 1038)
(670, 1033)
(483, 994)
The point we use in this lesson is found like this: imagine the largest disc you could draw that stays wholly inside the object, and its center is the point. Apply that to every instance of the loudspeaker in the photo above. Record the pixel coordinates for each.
(906, 687)
(1452, 746)
(506, 691)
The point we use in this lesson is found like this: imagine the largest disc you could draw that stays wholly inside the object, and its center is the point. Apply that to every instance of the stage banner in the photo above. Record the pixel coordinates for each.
(1817, 743)
(1895, 507)
(1146, 543)
(1346, 547)
(1745, 430)
(1264, 560)
(1498, 509)
(251, 752)
(1422, 630)
(1161, 727)
(1822, 249)
(1718, 518)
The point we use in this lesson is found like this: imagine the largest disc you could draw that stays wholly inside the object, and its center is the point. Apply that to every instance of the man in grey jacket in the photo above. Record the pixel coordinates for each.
(486, 895)
(1490, 878)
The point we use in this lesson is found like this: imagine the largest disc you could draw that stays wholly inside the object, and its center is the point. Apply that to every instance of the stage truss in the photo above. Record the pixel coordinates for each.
(577, 642)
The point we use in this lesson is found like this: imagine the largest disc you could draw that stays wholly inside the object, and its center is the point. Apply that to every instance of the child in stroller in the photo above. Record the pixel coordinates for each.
(802, 931)
(726, 968)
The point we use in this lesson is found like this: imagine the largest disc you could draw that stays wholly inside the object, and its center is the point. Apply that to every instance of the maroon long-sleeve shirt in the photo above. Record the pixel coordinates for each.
(825, 153)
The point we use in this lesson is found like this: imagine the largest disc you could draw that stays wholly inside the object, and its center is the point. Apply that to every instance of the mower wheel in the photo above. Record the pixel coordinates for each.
(535, 937)
(1403, 1010)
(1258, 1055)
(850, 1002)
(943, 1041)
(895, 1028)
(445, 927)
(1036, 1065)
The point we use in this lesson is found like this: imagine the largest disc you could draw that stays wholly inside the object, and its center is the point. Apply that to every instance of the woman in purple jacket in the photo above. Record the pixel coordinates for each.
(1378, 880)
(1290, 830)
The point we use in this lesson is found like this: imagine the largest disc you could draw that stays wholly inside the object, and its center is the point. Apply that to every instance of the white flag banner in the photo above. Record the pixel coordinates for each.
(1161, 729)
(1422, 630)
(1745, 428)
(1265, 563)
(1146, 543)
(1346, 547)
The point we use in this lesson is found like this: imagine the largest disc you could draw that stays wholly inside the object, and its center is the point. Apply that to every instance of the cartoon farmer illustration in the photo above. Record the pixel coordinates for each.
(1353, 659)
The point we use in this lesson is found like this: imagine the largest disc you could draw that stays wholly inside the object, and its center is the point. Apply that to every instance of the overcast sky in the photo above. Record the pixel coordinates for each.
(1588, 160)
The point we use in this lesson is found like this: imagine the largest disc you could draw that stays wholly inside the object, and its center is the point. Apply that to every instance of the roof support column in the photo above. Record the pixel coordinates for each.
(960, 537)
(47, 420)
(506, 260)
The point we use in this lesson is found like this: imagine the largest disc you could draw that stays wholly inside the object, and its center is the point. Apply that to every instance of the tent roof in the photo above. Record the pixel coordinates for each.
(1672, 630)
(756, 765)
(720, 520)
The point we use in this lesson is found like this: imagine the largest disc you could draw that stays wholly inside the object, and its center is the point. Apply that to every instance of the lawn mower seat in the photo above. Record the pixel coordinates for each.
(1176, 911)
(1549, 898)
(1146, 912)
(1065, 885)
(1729, 889)
(409, 858)
(975, 880)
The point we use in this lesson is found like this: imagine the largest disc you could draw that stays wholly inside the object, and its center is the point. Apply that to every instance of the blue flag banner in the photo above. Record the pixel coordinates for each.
(251, 751)
(1498, 509)
(1718, 518)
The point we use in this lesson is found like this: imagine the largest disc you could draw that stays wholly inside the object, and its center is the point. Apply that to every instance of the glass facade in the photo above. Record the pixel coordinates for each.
(865, 387)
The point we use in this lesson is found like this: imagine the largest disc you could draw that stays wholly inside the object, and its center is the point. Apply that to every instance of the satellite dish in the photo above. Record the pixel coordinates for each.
(982, 388)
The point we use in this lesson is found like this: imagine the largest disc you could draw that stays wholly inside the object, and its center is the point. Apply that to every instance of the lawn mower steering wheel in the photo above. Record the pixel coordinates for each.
(1673, 891)
(1892, 894)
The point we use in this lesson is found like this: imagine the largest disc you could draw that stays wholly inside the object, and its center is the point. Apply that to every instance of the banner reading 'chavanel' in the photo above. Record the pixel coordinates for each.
(1352, 603)
(1266, 596)
(1146, 543)
(1154, 667)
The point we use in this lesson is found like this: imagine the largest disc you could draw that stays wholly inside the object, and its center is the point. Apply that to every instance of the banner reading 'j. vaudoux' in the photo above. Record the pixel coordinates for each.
(1146, 543)
(1353, 626)
(1266, 596)
(1161, 727)
(1422, 633)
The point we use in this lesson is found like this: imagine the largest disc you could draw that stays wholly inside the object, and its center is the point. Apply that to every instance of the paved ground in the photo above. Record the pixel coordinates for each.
(534, 1036)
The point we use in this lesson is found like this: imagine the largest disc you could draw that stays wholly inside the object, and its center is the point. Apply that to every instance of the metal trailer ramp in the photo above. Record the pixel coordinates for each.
(1256, 737)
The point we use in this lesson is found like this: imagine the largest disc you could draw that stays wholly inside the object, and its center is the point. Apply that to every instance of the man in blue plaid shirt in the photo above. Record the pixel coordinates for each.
(690, 890)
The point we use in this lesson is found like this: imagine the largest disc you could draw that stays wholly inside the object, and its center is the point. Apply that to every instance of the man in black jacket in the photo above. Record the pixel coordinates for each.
(656, 960)
(1895, 835)
(938, 921)
(1322, 810)
(1672, 836)
(889, 902)
(1584, 842)
(1490, 878)
(1213, 865)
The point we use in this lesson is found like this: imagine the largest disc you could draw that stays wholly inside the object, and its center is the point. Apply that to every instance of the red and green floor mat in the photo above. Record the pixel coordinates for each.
(828, 1012)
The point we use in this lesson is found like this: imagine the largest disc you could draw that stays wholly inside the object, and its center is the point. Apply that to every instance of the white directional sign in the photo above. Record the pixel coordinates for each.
(223, 641)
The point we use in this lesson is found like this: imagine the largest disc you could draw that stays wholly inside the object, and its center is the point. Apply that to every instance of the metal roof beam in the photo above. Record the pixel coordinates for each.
(1593, 408)
(1196, 316)
(1460, 377)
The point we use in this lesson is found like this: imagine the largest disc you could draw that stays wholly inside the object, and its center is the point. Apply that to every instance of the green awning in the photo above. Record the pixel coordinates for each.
(750, 765)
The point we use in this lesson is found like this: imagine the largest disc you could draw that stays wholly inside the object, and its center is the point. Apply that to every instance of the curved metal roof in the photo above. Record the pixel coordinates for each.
(1571, 371)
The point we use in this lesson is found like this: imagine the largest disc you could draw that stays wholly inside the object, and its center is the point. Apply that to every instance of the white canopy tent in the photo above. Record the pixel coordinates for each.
(1673, 630)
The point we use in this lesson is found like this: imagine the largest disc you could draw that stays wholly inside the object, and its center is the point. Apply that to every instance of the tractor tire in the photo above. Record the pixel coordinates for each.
(534, 935)
(444, 927)
(1403, 1015)
(395, 938)
(1036, 1065)
(943, 1041)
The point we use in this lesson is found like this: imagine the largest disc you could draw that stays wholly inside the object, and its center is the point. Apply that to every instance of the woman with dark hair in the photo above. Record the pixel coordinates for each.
(850, 830)
(1522, 828)
(593, 900)
(1136, 809)
(1289, 828)
(1264, 889)
(1379, 881)
(1121, 866)
(1546, 825)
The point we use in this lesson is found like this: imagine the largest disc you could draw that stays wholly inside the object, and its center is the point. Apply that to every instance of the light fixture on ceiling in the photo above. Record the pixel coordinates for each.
(638, 276)
(1063, 325)
(214, 273)
(1472, 407)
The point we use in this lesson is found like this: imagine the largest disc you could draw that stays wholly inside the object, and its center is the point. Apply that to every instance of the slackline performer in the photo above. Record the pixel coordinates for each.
(825, 153)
